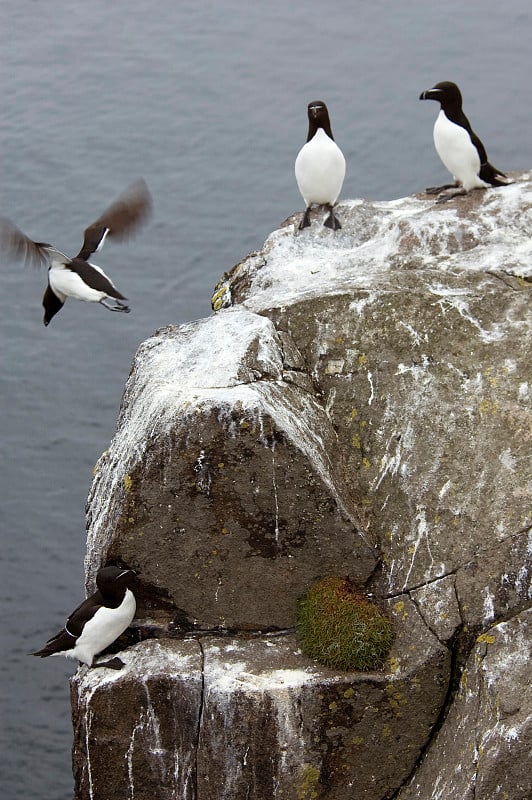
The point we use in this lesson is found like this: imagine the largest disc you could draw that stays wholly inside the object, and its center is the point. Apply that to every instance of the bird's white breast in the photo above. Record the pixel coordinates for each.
(104, 628)
(457, 152)
(320, 170)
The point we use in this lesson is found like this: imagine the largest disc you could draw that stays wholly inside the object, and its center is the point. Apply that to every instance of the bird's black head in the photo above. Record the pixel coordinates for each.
(316, 109)
(447, 93)
(112, 579)
(51, 304)
(318, 117)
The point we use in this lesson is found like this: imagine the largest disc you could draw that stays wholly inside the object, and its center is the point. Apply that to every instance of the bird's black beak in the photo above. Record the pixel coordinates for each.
(430, 94)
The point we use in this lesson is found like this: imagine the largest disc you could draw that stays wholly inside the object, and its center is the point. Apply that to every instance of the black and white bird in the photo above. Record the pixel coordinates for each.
(458, 146)
(320, 166)
(97, 622)
(77, 277)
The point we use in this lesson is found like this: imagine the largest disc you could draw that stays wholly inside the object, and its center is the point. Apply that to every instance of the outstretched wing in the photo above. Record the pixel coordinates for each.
(16, 246)
(120, 220)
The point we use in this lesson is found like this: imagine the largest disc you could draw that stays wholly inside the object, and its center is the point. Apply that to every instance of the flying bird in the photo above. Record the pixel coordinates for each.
(320, 166)
(77, 277)
(458, 146)
(97, 622)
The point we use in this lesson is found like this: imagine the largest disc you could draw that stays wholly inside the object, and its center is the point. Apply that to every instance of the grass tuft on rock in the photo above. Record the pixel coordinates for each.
(341, 629)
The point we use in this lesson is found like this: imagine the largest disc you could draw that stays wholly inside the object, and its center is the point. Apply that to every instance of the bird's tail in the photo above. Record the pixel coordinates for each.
(46, 651)
(64, 640)
(492, 175)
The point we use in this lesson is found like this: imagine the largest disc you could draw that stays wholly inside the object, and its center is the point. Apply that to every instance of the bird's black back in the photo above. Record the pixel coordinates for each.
(94, 278)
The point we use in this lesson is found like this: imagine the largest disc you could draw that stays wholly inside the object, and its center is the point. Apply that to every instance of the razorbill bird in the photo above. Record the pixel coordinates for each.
(320, 166)
(458, 146)
(97, 622)
(77, 277)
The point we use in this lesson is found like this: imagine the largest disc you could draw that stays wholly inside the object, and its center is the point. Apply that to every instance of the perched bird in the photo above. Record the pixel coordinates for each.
(97, 622)
(77, 277)
(320, 166)
(458, 146)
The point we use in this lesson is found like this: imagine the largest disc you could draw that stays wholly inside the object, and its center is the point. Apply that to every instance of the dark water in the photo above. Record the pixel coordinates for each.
(207, 101)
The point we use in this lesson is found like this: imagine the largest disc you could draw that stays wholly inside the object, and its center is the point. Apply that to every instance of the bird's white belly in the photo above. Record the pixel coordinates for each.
(457, 152)
(103, 629)
(320, 170)
(65, 283)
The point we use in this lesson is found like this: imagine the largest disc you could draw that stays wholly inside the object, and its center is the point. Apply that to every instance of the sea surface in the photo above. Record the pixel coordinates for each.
(207, 101)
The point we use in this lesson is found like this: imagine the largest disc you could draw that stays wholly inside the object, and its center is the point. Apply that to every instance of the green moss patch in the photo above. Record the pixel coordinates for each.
(340, 628)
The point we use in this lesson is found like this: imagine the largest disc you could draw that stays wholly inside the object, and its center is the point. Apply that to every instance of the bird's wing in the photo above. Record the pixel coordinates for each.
(15, 245)
(480, 147)
(94, 277)
(128, 212)
(488, 172)
(66, 638)
(85, 611)
(464, 122)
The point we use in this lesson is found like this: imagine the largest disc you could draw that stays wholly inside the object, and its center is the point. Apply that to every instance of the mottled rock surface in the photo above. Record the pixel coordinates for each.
(483, 750)
(359, 404)
(135, 729)
(223, 484)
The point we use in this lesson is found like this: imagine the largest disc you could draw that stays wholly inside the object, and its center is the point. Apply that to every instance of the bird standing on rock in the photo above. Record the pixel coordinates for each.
(97, 622)
(458, 146)
(77, 277)
(320, 166)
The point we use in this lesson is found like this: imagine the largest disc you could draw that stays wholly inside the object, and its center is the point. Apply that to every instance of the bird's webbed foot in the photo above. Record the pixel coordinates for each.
(332, 221)
(113, 663)
(305, 222)
(438, 189)
(115, 306)
(450, 193)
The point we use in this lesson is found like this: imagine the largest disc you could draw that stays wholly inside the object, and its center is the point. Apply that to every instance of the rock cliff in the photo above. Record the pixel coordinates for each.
(358, 405)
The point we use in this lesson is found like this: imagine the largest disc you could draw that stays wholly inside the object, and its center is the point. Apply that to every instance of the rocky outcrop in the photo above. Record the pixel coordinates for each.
(359, 404)
(483, 750)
